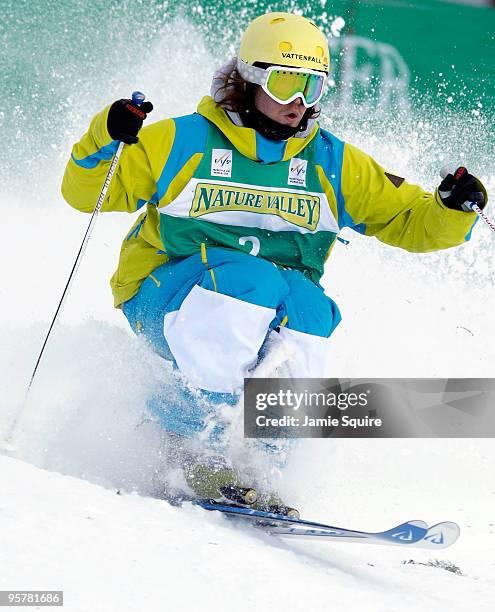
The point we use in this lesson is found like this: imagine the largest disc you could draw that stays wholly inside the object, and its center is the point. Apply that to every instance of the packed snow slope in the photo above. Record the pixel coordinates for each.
(122, 553)
(403, 315)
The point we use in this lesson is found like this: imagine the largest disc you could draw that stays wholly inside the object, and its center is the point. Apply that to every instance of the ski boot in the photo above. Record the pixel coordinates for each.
(213, 478)
(271, 502)
(216, 480)
(210, 478)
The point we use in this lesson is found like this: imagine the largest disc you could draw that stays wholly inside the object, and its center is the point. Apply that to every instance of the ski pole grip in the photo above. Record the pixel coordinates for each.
(444, 171)
(472, 205)
(138, 98)
(457, 173)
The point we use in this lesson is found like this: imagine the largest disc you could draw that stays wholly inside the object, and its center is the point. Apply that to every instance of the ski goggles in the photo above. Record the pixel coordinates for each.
(284, 84)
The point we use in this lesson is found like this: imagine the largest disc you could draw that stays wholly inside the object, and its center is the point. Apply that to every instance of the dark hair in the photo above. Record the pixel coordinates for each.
(238, 94)
(233, 94)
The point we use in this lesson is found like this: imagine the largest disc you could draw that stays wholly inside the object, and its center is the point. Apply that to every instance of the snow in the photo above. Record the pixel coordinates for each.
(336, 26)
(126, 552)
(83, 436)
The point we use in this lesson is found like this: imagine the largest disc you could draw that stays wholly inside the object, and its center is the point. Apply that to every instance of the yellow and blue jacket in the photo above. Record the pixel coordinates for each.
(201, 179)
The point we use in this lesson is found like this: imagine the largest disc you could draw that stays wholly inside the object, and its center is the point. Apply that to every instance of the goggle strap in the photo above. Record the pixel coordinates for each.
(252, 74)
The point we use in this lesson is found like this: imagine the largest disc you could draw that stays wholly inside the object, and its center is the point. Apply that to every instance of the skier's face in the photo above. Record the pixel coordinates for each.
(286, 114)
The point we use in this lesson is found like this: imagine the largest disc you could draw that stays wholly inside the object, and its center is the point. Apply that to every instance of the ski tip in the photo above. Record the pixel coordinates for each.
(441, 535)
(418, 523)
(409, 532)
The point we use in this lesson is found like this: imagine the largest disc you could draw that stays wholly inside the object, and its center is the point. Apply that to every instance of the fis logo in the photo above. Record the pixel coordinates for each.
(297, 172)
(221, 162)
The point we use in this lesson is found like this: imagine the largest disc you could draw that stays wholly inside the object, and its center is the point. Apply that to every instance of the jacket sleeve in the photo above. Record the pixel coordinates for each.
(377, 203)
(134, 181)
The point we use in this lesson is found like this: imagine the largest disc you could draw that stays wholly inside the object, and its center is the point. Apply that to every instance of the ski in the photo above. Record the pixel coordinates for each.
(441, 535)
(407, 534)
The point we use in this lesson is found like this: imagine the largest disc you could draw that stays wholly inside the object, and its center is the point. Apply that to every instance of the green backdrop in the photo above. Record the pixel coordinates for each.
(61, 60)
(437, 52)
(390, 53)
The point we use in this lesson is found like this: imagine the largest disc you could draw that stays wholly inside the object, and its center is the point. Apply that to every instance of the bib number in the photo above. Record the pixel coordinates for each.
(255, 249)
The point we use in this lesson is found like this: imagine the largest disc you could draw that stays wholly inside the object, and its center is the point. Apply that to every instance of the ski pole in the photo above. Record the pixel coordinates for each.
(137, 99)
(472, 205)
(475, 208)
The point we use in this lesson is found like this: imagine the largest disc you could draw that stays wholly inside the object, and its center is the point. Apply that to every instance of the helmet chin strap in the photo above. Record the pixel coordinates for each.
(273, 130)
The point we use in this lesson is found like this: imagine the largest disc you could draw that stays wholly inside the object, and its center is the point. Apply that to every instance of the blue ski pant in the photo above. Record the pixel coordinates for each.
(213, 311)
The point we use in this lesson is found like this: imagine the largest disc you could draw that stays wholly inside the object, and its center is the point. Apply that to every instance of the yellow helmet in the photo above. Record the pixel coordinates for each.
(285, 39)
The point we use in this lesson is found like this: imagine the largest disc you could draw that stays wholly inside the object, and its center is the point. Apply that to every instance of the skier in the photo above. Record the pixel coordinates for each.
(243, 201)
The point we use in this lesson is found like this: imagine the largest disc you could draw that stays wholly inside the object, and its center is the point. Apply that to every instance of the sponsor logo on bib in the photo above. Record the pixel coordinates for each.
(301, 209)
(297, 172)
(221, 162)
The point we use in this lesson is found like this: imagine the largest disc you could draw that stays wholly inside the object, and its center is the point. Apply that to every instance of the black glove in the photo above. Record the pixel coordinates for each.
(125, 119)
(461, 187)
